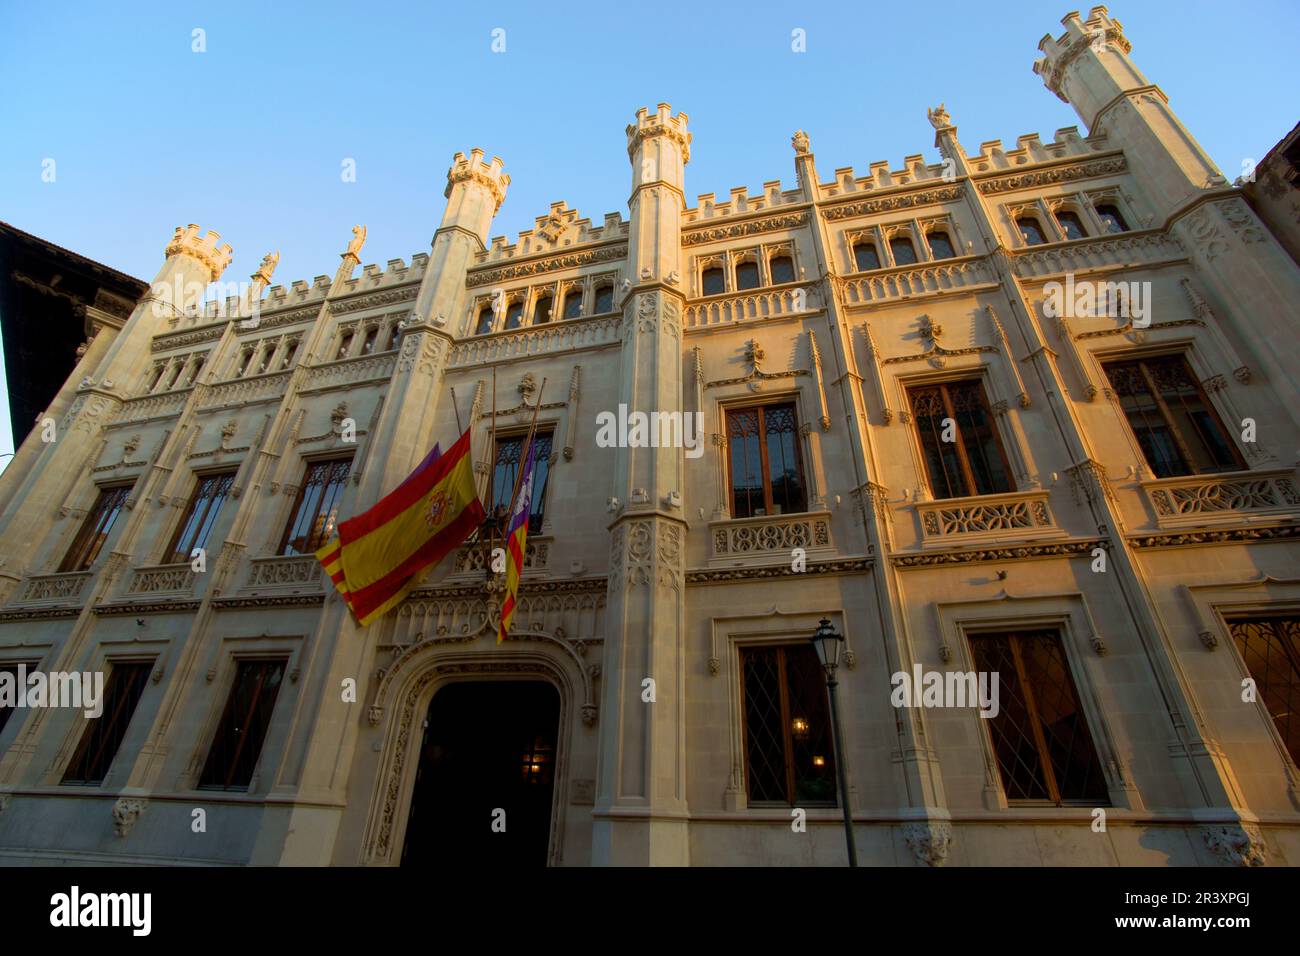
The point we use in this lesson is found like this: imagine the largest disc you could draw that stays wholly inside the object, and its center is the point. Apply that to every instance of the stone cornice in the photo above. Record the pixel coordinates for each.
(188, 337)
(150, 607)
(1048, 174)
(932, 559)
(698, 235)
(284, 600)
(904, 199)
(543, 263)
(39, 614)
(1193, 538)
(372, 300)
(752, 572)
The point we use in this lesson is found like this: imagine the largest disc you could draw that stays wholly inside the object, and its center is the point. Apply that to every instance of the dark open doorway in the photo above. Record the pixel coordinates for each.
(488, 746)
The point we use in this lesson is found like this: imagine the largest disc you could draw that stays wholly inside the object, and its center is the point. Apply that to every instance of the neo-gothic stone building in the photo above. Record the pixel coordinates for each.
(1100, 507)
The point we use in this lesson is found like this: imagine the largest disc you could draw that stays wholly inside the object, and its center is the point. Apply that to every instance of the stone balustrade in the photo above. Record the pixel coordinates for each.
(775, 535)
(1194, 498)
(932, 278)
(790, 299)
(1011, 516)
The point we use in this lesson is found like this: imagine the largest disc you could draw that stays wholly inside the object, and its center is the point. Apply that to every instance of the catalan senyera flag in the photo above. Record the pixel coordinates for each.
(378, 554)
(516, 539)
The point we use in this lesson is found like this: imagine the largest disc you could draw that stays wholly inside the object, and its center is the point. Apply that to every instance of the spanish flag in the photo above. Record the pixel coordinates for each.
(378, 554)
(516, 541)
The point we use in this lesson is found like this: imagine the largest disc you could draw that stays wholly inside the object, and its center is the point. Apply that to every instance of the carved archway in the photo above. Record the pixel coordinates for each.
(406, 699)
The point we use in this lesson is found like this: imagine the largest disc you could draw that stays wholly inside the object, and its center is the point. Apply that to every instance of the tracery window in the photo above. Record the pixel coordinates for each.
(766, 471)
(959, 442)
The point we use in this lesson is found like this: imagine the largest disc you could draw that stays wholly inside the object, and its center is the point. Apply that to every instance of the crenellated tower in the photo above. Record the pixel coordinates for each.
(641, 787)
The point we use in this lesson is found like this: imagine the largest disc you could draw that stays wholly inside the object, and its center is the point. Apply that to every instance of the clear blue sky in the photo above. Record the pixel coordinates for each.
(248, 137)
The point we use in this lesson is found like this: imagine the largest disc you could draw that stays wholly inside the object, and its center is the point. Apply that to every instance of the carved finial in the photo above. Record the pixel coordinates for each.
(358, 240)
(939, 117)
(800, 142)
(267, 268)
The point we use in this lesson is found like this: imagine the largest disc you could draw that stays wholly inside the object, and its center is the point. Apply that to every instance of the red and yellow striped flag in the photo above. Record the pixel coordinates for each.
(378, 554)
(517, 541)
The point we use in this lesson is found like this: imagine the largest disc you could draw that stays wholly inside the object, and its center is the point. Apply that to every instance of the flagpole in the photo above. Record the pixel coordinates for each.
(489, 545)
(459, 431)
(528, 445)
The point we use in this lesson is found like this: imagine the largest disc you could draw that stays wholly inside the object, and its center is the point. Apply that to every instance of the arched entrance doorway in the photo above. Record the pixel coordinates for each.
(488, 746)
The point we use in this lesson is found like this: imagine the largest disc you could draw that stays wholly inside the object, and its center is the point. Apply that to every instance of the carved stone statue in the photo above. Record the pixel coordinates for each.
(800, 142)
(939, 117)
(267, 268)
(358, 240)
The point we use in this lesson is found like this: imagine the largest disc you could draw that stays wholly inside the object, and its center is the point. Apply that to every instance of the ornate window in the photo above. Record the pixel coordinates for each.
(940, 245)
(509, 457)
(963, 455)
(290, 350)
(1071, 225)
(484, 324)
(542, 310)
(1174, 424)
(157, 375)
(394, 337)
(781, 269)
(747, 275)
(368, 343)
(1270, 648)
(1040, 735)
(1030, 231)
(514, 314)
(196, 364)
(573, 304)
(766, 471)
(315, 510)
(865, 256)
(1111, 217)
(200, 515)
(103, 735)
(604, 299)
(245, 360)
(901, 248)
(243, 727)
(6, 710)
(713, 281)
(95, 529)
(345, 345)
(789, 758)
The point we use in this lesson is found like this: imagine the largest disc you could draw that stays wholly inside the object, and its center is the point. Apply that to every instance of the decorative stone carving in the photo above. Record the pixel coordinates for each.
(126, 812)
(939, 117)
(800, 142)
(929, 841)
(1239, 844)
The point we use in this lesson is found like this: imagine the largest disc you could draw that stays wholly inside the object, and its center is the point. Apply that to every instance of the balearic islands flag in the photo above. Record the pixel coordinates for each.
(516, 539)
(380, 552)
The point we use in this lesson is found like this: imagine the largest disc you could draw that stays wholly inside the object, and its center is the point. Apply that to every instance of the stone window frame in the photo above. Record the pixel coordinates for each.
(535, 294)
(107, 652)
(704, 263)
(743, 256)
(774, 250)
(31, 655)
(162, 368)
(945, 224)
(1188, 348)
(1115, 196)
(223, 667)
(1008, 428)
(905, 229)
(811, 457)
(730, 632)
(1214, 605)
(596, 282)
(1077, 204)
(1037, 210)
(476, 306)
(1081, 641)
(868, 234)
(563, 287)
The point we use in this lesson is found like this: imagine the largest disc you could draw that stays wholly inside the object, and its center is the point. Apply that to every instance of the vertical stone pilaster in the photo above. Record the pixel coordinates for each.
(640, 811)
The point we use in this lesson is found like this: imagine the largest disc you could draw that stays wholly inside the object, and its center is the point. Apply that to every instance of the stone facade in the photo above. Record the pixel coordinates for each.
(641, 569)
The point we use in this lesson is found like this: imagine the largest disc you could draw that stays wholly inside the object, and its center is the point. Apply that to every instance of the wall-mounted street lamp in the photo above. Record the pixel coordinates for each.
(828, 644)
